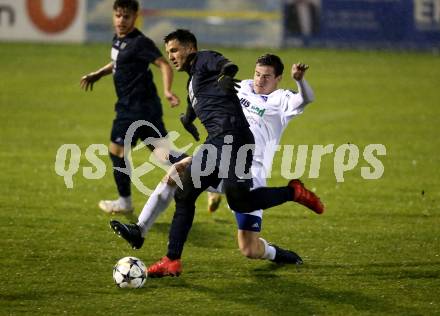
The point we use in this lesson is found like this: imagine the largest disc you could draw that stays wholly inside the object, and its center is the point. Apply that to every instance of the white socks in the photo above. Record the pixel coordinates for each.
(156, 204)
(269, 251)
(125, 202)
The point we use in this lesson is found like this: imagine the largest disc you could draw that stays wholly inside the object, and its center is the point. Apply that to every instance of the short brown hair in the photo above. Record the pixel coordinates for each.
(132, 5)
(183, 36)
(271, 60)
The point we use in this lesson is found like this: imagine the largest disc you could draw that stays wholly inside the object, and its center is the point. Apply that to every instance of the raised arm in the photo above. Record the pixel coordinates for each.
(88, 80)
(294, 103)
(298, 71)
(167, 79)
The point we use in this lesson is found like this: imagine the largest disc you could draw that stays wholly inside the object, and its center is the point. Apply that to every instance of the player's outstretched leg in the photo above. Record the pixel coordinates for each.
(214, 200)
(306, 197)
(130, 232)
(286, 256)
(165, 267)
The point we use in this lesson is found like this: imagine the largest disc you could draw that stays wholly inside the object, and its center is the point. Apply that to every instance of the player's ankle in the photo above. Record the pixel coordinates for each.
(125, 201)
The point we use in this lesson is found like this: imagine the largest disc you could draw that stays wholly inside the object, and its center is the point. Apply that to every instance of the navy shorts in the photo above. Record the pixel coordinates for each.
(246, 221)
(154, 128)
(223, 168)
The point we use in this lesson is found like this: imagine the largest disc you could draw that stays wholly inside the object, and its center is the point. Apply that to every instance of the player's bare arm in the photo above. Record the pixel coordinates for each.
(88, 80)
(298, 71)
(167, 79)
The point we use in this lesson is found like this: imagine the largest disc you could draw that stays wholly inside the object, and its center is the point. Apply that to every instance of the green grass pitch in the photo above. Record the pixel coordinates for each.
(376, 250)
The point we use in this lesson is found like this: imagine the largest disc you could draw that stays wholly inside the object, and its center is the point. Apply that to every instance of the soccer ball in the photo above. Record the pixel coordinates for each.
(130, 272)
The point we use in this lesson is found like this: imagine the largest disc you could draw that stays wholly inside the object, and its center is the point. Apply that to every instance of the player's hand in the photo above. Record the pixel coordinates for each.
(228, 84)
(190, 127)
(298, 71)
(87, 81)
(172, 98)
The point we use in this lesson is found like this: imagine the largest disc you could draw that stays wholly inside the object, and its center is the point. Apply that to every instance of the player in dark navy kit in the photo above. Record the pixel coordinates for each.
(132, 53)
(213, 99)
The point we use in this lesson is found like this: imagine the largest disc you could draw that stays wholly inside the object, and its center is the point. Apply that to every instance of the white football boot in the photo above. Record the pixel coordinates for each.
(118, 206)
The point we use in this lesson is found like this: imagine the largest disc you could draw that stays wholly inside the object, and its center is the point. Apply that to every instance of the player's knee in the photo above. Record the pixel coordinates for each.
(116, 150)
(176, 171)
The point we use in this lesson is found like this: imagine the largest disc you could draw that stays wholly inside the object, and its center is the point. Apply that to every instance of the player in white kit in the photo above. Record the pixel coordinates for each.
(268, 111)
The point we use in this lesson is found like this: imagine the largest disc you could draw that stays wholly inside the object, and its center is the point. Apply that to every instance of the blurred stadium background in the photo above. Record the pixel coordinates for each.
(413, 24)
(375, 70)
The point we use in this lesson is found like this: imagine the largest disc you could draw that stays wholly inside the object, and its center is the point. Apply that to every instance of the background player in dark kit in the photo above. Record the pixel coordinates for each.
(132, 53)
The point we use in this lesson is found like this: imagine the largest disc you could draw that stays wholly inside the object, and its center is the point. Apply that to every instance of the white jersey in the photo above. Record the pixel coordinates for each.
(269, 115)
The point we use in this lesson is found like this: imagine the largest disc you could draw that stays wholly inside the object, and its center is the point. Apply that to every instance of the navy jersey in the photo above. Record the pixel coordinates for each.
(219, 111)
(133, 79)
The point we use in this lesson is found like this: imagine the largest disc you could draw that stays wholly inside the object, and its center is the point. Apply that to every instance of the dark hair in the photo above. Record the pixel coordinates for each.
(271, 60)
(185, 37)
(132, 5)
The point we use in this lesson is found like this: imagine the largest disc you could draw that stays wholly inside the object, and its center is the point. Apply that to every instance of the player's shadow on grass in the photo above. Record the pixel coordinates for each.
(209, 236)
(389, 270)
(131, 218)
(272, 293)
(201, 235)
